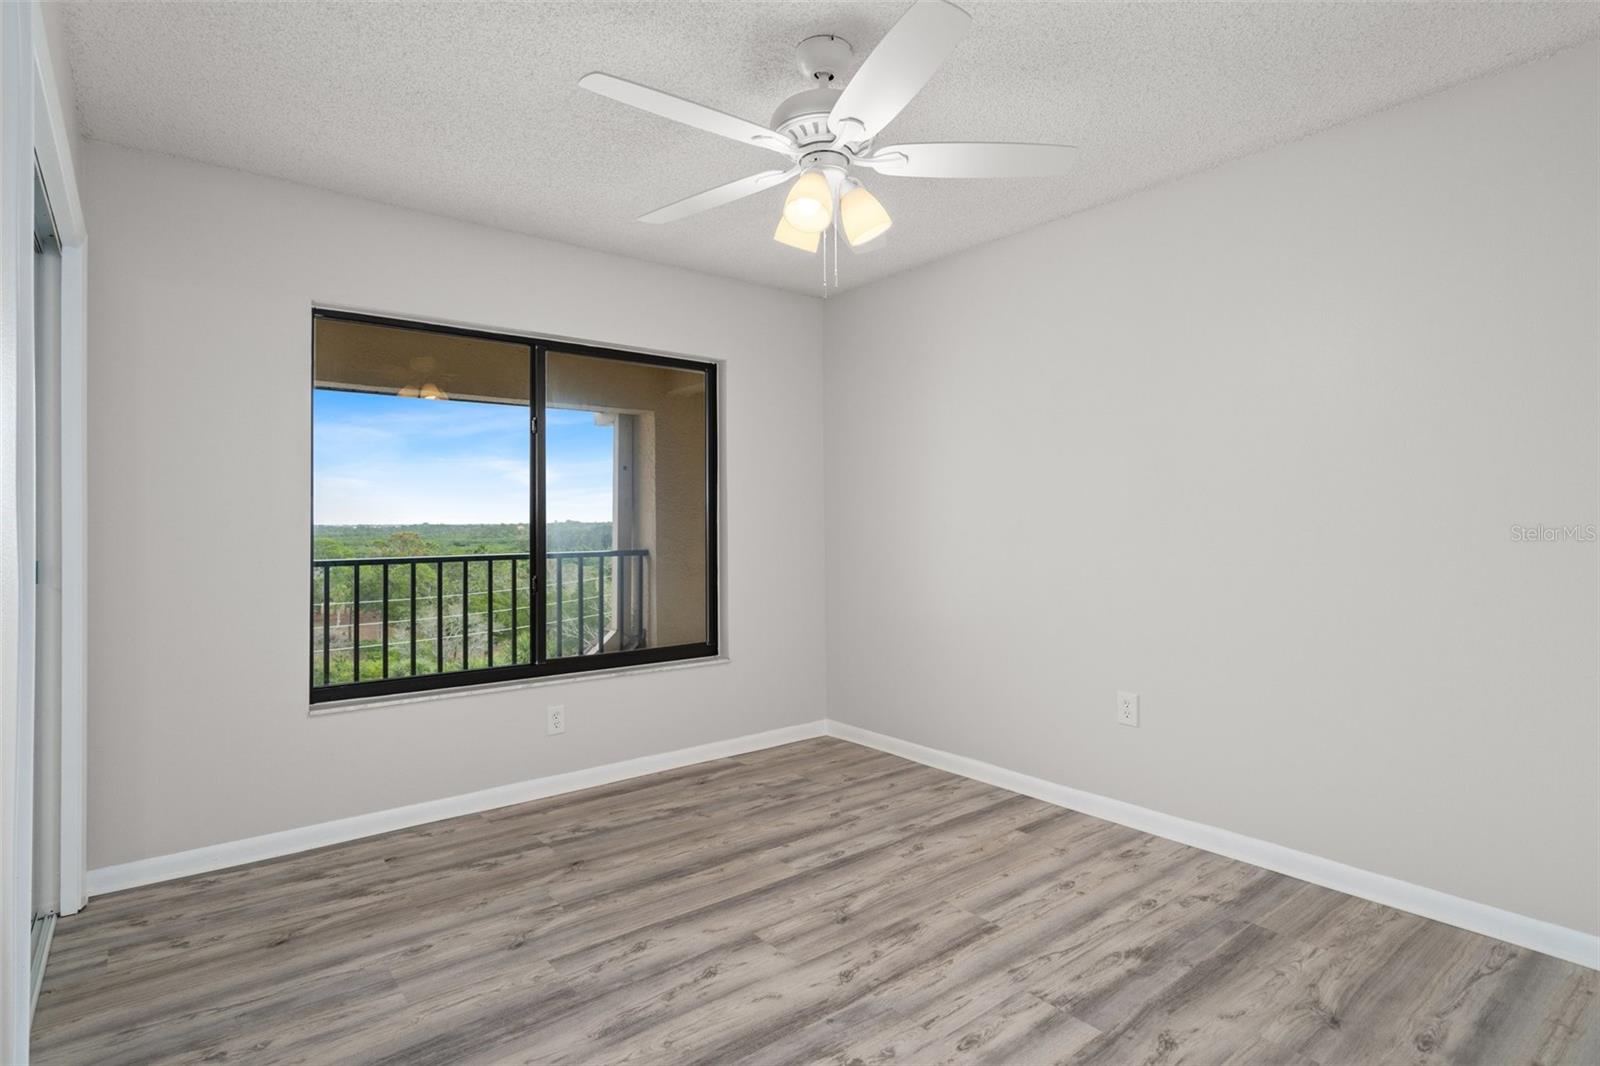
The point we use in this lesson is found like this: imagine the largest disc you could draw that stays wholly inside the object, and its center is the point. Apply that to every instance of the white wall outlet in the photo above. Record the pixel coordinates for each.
(555, 719)
(1128, 708)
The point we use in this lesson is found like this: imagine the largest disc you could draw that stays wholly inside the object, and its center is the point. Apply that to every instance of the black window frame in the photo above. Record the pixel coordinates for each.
(539, 347)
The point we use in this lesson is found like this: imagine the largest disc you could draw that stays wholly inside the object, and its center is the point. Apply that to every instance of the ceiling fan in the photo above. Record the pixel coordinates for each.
(828, 133)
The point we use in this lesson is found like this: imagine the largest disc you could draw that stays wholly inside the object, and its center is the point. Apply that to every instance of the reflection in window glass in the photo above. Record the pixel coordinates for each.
(626, 459)
(420, 540)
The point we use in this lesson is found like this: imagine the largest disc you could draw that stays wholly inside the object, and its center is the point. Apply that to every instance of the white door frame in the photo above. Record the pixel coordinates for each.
(56, 165)
(33, 132)
(16, 694)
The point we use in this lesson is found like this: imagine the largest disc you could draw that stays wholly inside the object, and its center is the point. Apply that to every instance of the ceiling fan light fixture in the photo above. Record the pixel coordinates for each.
(863, 217)
(794, 238)
(809, 205)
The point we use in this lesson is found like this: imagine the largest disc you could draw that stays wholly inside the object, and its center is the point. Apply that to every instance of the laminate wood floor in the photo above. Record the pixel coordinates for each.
(819, 902)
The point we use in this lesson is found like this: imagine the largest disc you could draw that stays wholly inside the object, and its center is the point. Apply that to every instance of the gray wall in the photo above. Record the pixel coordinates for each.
(201, 291)
(1252, 444)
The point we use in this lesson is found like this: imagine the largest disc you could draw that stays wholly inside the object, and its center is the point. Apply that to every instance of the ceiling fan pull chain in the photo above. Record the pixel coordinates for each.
(824, 258)
(836, 249)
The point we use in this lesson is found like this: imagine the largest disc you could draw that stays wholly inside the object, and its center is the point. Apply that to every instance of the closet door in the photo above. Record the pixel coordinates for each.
(46, 890)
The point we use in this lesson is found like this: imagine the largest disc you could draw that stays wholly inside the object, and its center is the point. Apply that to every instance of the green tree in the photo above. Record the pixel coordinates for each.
(403, 543)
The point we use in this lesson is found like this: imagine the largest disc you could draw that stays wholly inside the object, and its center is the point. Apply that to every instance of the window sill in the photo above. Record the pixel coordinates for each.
(372, 703)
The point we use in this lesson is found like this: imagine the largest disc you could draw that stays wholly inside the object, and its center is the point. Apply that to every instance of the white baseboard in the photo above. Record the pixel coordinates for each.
(272, 845)
(1563, 943)
(1570, 944)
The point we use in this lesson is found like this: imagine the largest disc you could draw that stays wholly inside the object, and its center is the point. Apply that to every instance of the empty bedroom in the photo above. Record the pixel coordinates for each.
(928, 531)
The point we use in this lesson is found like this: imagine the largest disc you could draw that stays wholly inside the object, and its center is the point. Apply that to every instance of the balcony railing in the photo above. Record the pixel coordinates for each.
(375, 619)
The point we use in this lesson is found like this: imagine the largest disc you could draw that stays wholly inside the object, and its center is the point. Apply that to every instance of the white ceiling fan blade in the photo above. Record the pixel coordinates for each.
(957, 160)
(687, 112)
(897, 69)
(722, 194)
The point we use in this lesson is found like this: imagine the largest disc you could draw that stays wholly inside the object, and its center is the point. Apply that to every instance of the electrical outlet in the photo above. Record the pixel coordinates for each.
(555, 719)
(1128, 708)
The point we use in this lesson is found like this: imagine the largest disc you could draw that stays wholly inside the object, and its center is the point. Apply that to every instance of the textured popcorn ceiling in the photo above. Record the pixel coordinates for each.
(472, 110)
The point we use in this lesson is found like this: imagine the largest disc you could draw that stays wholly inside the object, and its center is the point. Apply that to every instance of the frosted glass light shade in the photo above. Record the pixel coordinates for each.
(787, 234)
(863, 217)
(809, 205)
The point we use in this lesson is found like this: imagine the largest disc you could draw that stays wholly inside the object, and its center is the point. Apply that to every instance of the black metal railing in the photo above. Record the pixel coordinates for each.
(583, 587)
(376, 619)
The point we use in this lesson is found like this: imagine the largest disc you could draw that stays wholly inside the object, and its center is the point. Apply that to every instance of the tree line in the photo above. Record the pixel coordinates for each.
(428, 538)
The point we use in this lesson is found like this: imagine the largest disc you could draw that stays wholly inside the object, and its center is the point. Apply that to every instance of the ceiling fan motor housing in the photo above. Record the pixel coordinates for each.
(803, 118)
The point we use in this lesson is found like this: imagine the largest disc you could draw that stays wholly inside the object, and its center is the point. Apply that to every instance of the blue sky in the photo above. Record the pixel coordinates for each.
(391, 461)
